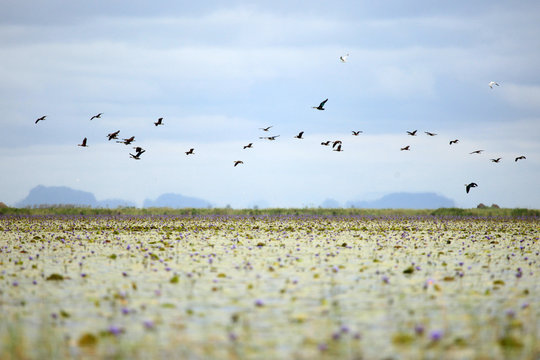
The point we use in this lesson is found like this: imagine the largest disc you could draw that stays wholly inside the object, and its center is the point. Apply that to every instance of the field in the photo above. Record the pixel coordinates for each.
(300, 285)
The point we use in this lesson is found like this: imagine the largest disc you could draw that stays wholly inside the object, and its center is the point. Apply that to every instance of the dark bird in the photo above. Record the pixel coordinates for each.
(326, 143)
(412, 133)
(238, 162)
(113, 135)
(520, 158)
(299, 136)
(405, 148)
(476, 152)
(469, 186)
(337, 142)
(137, 156)
(139, 150)
(266, 128)
(454, 141)
(159, 122)
(269, 137)
(356, 133)
(250, 145)
(98, 116)
(321, 105)
(496, 160)
(190, 152)
(40, 119)
(127, 141)
(430, 133)
(83, 144)
(338, 148)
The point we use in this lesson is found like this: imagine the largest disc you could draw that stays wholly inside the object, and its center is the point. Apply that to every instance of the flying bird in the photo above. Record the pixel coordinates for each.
(476, 152)
(321, 105)
(266, 128)
(469, 186)
(238, 162)
(412, 133)
(454, 141)
(337, 142)
(83, 144)
(98, 116)
(250, 145)
(190, 152)
(113, 135)
(492, 83)
(344, 58)
(520, 158)
(137, 156)
(299, 136)
(496, 160)
(139, 150)
(430, 133)
(269, 137)
(338, 148)
(406, 148)
(159, 121)
(326, 143)
(356, 133)
(127, 141)
(40, 119)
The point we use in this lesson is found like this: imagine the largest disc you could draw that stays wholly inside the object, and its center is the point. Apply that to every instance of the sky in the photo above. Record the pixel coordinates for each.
(218, 71)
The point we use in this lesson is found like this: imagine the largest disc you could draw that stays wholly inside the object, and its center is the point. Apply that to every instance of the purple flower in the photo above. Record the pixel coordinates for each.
(322, 347)
(436, 335)
(115, 330)
(259, 303)
(386, 279)
(149, 324)
(15, 283)
(419, 329)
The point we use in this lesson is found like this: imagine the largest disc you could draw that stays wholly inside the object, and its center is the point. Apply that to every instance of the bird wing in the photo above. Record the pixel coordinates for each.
(322, 103)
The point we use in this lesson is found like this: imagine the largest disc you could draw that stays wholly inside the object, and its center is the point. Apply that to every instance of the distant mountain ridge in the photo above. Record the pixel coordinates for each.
(176, 201)
(404, 200)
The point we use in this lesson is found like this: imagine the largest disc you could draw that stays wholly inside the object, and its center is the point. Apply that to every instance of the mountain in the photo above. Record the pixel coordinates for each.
(331, 204)
(404, 200)
(176, 201)
(63, 195)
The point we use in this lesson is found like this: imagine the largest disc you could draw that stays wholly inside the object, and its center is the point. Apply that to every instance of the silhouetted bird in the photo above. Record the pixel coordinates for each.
(127, 141)
(496, 160)
(139, 150)
(326, 143)
(430, 133)
(338, 148)
(40, 119)
(269, 137)
(113, 135)
(98, 116)
(159, 122)
(321, 105)
(412, 133)
(250, 145)
(520, 158)
(337, 142)
(344, 58)
(492, 83)
(238, 162)
(469, 186)
(406, 148)
(137, 156)
(266, 128)
(83, 144)
(454, 141)
(356, 133)
(190, 152)
(299, 136)
(476, 152)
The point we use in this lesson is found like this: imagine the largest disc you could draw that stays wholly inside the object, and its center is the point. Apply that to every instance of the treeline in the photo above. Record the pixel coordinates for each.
(133, 211)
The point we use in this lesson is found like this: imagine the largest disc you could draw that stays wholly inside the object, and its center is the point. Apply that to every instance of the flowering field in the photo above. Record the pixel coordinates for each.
(269, 287)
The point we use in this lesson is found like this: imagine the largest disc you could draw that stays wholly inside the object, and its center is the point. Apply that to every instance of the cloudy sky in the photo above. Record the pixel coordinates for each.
(218, 73)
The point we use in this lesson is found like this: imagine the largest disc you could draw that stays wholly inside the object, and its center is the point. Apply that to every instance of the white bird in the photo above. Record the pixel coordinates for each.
(344, 58)
(492, 83)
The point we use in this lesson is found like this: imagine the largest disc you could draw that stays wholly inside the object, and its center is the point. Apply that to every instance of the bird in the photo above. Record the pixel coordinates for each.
(190, 152)
(159, 121)
(113, 135)
(469, 186)
(266, 128)
(496, 160)
(139, 150)
(83, 144)
(344, 58)
(321, 105)
(325, 143)
(250, 145)
(238, 162)
(412, 133)
(127, 141)
(98, 116)
(338, 148)
(40, 119)
(454, 141)
(269, 137)
(406, 148)
(430, 133)
(137, 156)
(476, 152)
(520, 158)
(337, 142)
(492, 83)
(356, 133)
(299, 136)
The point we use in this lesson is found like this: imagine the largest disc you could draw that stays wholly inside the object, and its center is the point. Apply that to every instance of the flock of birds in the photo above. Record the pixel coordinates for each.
(336, 144)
